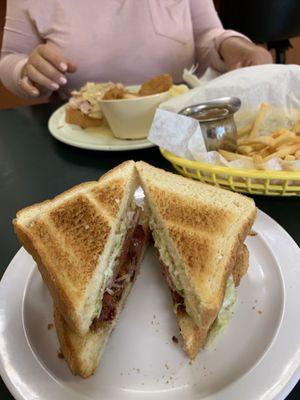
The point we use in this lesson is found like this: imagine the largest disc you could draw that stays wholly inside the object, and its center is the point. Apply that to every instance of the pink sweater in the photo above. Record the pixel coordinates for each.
(125, 41)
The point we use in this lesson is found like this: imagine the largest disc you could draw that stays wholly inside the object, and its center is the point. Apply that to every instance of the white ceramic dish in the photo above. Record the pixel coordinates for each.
(256, 357)
(132, 118)
(100, 138)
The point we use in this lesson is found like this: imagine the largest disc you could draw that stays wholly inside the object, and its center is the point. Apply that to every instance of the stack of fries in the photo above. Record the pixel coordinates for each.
(282, 143)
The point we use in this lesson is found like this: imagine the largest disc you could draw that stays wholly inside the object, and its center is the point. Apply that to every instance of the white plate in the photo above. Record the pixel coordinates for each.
(100, 138)
(256, 357)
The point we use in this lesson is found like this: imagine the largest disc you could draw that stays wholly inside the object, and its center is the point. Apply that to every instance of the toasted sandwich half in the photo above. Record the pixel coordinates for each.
(199, 232)
(78, 239)
(83, 353)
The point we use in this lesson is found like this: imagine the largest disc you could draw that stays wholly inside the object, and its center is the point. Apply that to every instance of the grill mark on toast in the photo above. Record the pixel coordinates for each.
(85, 230)
(100, 208)
(190, 213)
(47, 240)
(195, 250)
(110, 196)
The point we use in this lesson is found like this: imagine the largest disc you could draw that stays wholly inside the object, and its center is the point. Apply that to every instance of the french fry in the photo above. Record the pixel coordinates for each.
(242, 132)
(277, 133)
(257, 159)
(264, 140)
(284, 138)
(291, 149)
(259, 119)
(282, 143)
(263, 152)
(296, 128)
(244, 149)
(258, 162)
(229, 156)
(256, 148)
(289, 158)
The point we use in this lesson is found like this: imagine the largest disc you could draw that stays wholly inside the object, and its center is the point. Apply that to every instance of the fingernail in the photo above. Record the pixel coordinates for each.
(63, 66)
(62, 80)
(54, 86)
(35, 92)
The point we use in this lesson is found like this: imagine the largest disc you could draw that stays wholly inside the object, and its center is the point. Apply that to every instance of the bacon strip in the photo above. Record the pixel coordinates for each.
(127, 265)
(178, 300)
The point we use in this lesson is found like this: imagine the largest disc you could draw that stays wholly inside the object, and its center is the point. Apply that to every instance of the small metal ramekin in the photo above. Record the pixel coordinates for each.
(219, 131)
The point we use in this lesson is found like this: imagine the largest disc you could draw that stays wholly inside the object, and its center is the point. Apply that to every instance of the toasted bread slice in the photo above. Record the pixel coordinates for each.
(198, 230)
(76, 117)
(73, 240)
(193, 337)
(83, 353)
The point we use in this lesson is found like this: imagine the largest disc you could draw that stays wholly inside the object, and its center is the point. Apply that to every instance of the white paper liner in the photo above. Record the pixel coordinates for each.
(278, 85)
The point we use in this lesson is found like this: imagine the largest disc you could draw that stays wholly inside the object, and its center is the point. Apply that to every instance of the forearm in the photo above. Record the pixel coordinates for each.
(238, 52)
(10, 71)
(209, 34)
(11, 67)
(209, 45)
(19, 39)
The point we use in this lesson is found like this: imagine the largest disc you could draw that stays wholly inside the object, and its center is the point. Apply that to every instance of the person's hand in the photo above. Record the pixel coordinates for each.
(45, 70)
(238, 53)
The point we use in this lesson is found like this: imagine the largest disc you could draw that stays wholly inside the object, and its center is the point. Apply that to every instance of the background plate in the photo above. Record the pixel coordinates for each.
(100, 138)
(257, 355)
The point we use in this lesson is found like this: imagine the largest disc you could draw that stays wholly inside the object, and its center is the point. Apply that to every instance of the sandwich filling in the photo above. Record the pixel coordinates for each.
(130, 220)
(87, 99)
(176, 288)
(224, 314)
(124, 271)
(172, 275)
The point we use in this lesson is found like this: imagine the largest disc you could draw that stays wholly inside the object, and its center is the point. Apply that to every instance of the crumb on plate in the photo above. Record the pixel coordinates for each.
(174, 339)
(252, 233)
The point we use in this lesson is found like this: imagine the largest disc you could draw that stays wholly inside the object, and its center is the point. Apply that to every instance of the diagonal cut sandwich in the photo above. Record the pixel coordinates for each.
(88, 243)
(199, 232)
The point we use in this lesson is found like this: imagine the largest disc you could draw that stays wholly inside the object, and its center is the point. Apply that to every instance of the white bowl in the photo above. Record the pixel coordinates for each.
(132, 118)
